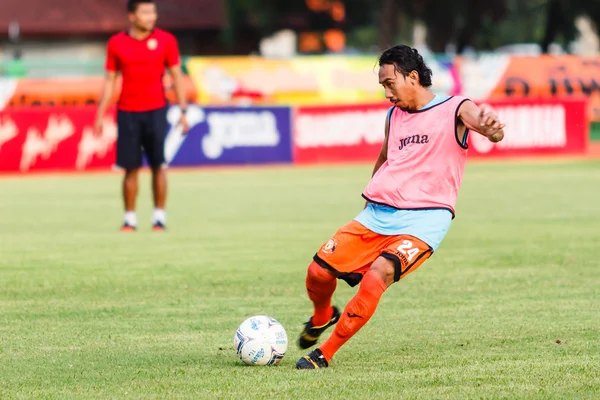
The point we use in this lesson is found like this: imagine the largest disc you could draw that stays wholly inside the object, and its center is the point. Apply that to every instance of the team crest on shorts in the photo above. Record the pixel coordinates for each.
(330, 246)
(152, 44)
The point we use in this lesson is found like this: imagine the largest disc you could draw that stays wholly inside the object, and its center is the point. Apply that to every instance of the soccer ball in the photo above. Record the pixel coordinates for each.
(261, 340)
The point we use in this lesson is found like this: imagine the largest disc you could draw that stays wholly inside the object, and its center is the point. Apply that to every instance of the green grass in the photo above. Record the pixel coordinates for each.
(595, 131)
(90, 313)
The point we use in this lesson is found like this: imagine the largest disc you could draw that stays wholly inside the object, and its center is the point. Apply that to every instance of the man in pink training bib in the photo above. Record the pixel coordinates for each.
(410, 201)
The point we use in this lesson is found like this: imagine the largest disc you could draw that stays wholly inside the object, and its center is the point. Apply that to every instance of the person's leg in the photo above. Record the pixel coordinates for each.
(356, 314)
(129, 157)
(338, 258)
(154, 147)
(320, 285)
(130, 191)
(361, 307)
(159, 190)
(403, 255)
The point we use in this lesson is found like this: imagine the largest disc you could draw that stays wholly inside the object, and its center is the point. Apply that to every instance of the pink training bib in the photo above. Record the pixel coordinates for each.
(425, 160)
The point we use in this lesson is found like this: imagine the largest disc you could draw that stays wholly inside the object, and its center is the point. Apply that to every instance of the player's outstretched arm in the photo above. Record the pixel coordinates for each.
(482, 120)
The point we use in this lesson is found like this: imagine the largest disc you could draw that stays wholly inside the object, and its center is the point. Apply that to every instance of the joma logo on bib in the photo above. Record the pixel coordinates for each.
(416, 139)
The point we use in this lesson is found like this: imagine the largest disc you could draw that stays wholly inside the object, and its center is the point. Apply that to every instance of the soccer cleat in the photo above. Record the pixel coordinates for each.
(159, 227)
(128, 228)
(310, 334)
(313, 360)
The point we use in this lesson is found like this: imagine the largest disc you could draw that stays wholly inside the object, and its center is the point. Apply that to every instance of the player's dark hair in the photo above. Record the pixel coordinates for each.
(406, 59)
(132, 5)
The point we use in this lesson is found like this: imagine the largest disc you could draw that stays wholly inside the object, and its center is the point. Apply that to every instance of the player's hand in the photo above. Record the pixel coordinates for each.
(490, 124)
(183, 123)
(98, 127)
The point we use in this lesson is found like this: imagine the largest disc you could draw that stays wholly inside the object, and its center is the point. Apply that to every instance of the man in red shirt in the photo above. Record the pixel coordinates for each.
(141, 55)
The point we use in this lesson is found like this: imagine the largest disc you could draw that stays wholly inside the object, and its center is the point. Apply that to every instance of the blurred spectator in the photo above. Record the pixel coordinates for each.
(587, 43)
(282, 44)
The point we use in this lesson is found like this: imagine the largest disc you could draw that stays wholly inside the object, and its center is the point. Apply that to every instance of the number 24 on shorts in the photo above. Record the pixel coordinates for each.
(408, 250)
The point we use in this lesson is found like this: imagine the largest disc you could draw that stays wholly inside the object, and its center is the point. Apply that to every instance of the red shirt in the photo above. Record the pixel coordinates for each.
(142, 64)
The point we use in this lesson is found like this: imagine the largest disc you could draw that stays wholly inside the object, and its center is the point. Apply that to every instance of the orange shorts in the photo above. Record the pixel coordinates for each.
(353, 248)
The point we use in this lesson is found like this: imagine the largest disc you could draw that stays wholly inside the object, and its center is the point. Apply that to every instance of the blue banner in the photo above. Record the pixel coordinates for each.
(226, 135)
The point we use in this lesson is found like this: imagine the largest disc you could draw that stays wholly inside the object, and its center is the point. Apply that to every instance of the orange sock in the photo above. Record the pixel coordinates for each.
(356, 314)
(320, 286)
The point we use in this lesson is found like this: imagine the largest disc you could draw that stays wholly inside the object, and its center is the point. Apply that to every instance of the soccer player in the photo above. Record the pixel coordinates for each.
(410, 201)
(141, 55)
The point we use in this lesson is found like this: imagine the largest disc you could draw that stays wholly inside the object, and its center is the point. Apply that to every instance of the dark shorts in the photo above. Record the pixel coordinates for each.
(141, 132)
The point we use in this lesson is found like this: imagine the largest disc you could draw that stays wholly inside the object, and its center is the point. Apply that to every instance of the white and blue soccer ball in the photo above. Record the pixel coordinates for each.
(261, 340)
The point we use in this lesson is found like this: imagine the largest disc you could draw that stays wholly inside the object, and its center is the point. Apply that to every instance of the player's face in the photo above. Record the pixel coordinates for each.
(396, 87)
(145, 16)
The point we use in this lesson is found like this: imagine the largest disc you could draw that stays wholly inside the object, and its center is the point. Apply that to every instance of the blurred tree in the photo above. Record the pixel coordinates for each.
(560, 17)
(323, 18)
(481, 24)
(459, 20)
(258, 18)
(523, 23)
(559, 20)
(388, 28)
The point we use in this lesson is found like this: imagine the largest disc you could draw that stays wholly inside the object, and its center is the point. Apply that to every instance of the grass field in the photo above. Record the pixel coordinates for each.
(595, 131)
(88, 313)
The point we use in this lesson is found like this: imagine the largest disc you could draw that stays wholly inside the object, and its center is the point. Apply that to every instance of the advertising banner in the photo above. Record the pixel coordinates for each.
(337, 134)
(537, 127)
(62, 138)
(19, 93)
(351, 133)
(542, 77)
(226, 136)
(308, 80)
(38, 139)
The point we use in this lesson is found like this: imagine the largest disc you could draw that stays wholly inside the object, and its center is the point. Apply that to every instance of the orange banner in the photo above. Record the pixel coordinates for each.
(75, 91)
(543, 77)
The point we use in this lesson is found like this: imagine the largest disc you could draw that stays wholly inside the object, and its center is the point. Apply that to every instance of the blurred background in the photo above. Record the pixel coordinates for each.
(508, 308)
(301, 53)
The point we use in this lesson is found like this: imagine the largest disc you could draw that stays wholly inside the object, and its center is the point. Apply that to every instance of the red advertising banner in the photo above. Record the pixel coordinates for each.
(537, 127)
(61, 138)
(354, 133)
(338, 133)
